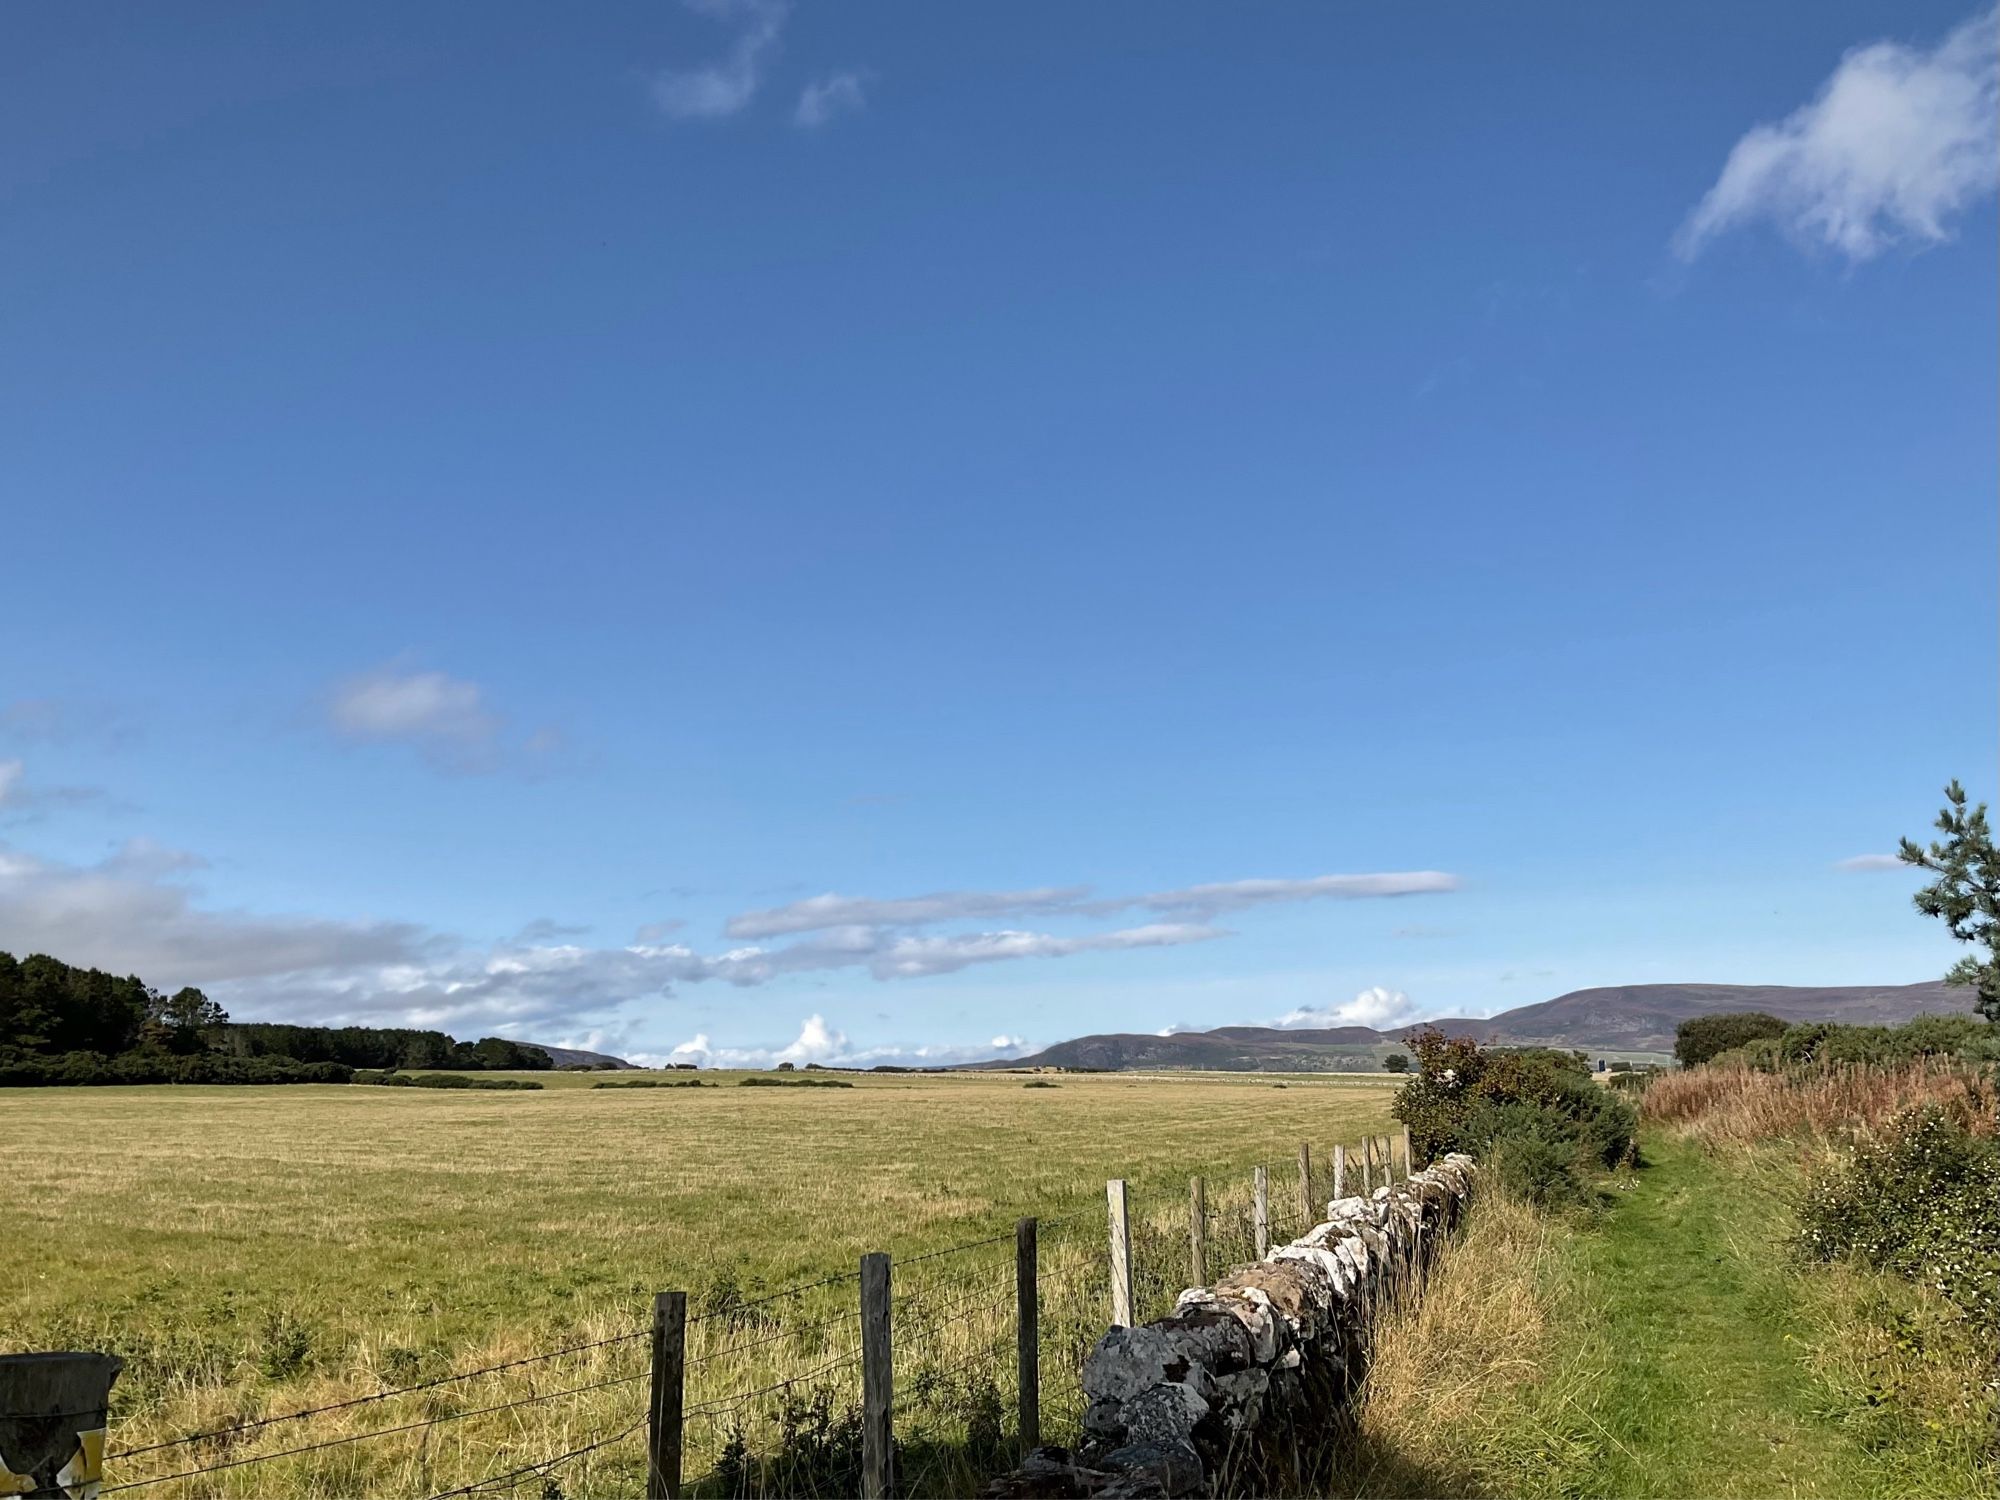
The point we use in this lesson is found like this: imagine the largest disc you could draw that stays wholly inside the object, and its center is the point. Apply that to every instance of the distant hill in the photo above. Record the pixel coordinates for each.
(1227, 1049)
(1615, 1019)
(1642, 1017)
(570, 1057)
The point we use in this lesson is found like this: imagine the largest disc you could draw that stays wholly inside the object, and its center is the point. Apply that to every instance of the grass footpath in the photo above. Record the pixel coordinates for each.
(1669, 1346)
(1704, 1387)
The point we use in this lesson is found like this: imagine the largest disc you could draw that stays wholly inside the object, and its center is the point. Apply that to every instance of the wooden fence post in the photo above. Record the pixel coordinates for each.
(1198, 1231)
(1028, 1333)
(1409, 1161)
(1306, 1187)
(53, 1412)
(663, 1416)
(1260, 1210)
(1121, 1252)
(1340, 1171)
(878, 1382)
(1388, 1162)
(1367, 1165)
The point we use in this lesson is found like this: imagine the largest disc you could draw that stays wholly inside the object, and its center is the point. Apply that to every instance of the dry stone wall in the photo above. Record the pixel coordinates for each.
(1270, 1349)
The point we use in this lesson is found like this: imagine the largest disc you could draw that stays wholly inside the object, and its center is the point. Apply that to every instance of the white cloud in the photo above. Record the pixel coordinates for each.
(722, 88)
(1898, 142)
(820, 1042)
(838, 94)
(445, 718)
(819, 912)
(1375, 1006)
(11, 774)
(816, 1042)
(1872, 862)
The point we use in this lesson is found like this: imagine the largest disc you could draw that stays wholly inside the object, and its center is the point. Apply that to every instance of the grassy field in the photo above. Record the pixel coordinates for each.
(251, 1251)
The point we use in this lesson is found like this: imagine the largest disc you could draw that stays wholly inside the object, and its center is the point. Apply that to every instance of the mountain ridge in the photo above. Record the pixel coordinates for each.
(1608, 1019)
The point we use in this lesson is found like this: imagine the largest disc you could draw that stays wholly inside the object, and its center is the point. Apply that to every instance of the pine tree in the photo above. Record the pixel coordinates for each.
(1966, 893)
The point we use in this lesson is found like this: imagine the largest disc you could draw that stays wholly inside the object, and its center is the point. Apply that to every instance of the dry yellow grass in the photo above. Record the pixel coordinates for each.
(253, 1251)
(1719, 1104)
(1441, 1409)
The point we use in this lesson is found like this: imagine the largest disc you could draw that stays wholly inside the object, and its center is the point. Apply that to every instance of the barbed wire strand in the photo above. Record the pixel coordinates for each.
(362, 1437)
(737, 1398)
(541, 1467)
(425, 1385)
(790, 1332)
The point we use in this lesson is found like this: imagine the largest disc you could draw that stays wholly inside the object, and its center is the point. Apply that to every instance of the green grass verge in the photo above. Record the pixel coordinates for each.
(1671, 1345)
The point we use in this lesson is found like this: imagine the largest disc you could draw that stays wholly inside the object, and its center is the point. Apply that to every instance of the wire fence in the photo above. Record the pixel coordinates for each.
(770, 1384)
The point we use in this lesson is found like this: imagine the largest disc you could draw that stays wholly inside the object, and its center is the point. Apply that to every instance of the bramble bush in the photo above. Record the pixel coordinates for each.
(1922, 1200)
(1534, 1115)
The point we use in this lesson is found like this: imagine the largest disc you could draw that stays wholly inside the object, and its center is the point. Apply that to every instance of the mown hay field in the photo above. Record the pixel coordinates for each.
(254, 1251)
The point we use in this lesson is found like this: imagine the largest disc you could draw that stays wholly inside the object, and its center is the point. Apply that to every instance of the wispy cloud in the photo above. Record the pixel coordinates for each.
(19, 796)
(1898, 141)
(721, 88)
(447, 720)
(916, 957)
(130, 914)
(838, 94)
(66, 721)
(136, 912)
(817, 913)
(1236, 895)
(1872, 862)
(831, 910)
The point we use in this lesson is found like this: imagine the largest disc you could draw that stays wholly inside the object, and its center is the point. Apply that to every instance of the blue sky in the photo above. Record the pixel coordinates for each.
(504, 504)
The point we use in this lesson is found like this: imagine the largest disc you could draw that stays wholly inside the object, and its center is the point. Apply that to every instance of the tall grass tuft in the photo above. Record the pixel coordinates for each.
(1723, 1104)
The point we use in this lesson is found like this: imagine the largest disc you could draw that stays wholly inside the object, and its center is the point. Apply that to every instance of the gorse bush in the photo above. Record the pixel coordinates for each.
(1965, 1037)
(1535, 1114)
(1806, 1044)
(1700, 1038)
(1923, 1200)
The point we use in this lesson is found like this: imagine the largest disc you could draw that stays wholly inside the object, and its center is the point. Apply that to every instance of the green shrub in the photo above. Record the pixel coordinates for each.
(1965, 1037)
(653, 1083)
(1536, 1106)
(1700, 1038)
(24, 1069)
(444, 1081)
(1923, 1201)
(1628, 1078)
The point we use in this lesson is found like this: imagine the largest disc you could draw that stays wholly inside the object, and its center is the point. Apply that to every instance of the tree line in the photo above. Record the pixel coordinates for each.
(60, 1024)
